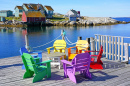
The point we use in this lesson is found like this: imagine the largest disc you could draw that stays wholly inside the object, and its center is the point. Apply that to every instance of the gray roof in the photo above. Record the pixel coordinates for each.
(75, 12)
(5, 10)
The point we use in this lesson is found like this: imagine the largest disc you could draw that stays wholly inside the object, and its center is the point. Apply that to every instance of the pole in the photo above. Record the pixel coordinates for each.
(27, 42)
(62, 31)
(79, 38)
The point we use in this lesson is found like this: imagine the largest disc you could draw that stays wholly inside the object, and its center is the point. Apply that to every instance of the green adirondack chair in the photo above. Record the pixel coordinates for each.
(35, 68)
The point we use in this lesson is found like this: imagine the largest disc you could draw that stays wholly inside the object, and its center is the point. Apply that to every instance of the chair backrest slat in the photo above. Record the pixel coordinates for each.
(23, 50)
(28, 61)
(82, 44)
(59, 43)
(81, 61)
(100, 54)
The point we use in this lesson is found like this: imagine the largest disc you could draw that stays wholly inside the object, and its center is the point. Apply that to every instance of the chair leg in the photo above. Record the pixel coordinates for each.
(101, 62)
(39, 76)
(65, 72)
(48, 70)
(88, 74)
(28, 74)
(71, 76)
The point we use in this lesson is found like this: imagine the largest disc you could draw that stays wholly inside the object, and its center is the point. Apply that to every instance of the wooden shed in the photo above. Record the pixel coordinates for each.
(33, 16)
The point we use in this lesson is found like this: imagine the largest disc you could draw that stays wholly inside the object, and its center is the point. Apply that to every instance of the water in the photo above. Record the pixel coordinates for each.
(127, 19)
(12, 39)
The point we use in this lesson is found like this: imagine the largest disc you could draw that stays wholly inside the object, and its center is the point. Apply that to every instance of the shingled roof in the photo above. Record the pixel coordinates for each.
(49, 8)
(33, 6)
(34, 14)
(19, 7)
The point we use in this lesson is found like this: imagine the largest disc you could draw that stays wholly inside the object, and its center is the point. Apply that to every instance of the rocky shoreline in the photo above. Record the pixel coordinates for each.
(84, 21)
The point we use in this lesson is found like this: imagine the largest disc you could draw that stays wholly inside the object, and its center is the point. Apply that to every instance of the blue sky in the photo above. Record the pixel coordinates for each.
(91, 8)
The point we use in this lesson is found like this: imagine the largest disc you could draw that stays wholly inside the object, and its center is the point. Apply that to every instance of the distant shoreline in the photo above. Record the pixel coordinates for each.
(85, 21)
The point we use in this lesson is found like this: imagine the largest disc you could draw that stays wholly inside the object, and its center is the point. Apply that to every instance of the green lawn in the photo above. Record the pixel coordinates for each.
(15, 18)
(59, 18)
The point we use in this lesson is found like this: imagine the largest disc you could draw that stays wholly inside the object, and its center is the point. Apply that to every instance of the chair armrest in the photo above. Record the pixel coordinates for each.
(36, 58)
(66, 62)
(48, 49)
(71, 47)
(91, 51)
(44, 62)
(34, 55)
(94, 55)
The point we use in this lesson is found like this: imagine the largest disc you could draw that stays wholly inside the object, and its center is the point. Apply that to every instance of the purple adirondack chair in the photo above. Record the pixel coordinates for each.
(80, 63)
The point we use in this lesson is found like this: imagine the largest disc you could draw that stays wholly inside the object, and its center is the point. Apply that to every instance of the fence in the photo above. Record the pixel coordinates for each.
(114, 47)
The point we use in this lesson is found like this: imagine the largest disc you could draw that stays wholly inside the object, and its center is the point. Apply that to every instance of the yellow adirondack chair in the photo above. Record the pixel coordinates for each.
(59, 46)
(81, 46)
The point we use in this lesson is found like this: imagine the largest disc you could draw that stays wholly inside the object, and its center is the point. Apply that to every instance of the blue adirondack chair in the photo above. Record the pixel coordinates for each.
(80, 63)
(24, 50)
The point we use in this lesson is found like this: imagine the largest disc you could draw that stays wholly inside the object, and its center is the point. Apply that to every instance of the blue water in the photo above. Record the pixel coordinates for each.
(12, 39)
(127, 19)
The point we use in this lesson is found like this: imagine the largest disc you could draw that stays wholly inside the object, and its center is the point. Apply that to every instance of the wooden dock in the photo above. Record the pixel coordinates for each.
(113, 74)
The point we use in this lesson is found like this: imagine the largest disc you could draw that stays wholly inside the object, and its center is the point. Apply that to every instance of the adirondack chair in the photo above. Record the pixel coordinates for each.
(33, 67)
(99, 63)
(81, 46)
(24, 50)
(80, 63)
(59, 46)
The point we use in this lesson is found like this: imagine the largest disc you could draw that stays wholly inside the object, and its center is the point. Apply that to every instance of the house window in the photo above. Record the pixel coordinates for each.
(20, 10)
(39, 18)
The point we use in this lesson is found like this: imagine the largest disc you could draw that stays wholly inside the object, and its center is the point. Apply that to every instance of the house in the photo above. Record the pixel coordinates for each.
(48, 11)
(73, 15)
(73, 12)
(33, 16)
(6, 13)
(28, 7)
(2, 19)
(18, 11)
(33, 7)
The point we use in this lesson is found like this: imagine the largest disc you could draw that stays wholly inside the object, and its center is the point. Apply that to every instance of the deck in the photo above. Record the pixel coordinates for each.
(113, 74)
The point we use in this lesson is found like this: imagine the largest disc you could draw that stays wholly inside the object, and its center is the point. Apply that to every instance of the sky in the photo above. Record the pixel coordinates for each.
(90, 8)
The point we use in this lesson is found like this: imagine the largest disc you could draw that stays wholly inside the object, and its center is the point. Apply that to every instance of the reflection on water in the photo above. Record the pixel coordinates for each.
(43, 29)
(12, 39)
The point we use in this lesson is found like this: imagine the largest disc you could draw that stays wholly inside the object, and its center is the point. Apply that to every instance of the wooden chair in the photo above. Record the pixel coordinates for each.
(59, 46)
(99, 63)
(81, 46)
(37, 54)
(80, 63)
(36, 68)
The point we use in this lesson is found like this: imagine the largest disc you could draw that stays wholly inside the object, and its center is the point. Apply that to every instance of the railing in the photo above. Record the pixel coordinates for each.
(114, 47)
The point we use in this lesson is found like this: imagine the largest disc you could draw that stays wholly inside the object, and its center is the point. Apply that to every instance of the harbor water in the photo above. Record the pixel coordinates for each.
(12, 39)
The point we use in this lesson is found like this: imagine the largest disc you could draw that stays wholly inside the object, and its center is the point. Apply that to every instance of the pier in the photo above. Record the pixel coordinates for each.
(114, 74)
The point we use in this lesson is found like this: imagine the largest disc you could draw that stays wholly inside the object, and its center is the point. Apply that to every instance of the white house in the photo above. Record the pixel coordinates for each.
(72, 13)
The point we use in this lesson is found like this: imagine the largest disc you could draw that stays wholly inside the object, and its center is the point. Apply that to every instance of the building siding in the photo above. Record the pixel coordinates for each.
(32, 19)
(16, 12)
(24, 7)
(35, 19)
(48, 13)
(6, 13)
(24, 19)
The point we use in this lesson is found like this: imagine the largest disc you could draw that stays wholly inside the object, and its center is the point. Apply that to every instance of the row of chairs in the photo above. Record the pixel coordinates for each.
(81, 47)
(81, 61)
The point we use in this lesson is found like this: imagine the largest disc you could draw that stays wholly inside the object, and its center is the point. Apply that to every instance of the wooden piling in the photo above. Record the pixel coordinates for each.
(92, 45)
(27, 42)
(79, 38)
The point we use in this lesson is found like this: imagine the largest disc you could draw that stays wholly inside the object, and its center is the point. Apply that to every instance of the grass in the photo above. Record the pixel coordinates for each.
(15, 18)
(59, 18)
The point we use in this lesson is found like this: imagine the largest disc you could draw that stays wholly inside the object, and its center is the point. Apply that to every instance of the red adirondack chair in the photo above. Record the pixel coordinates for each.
(80, 63)
(99, 63)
